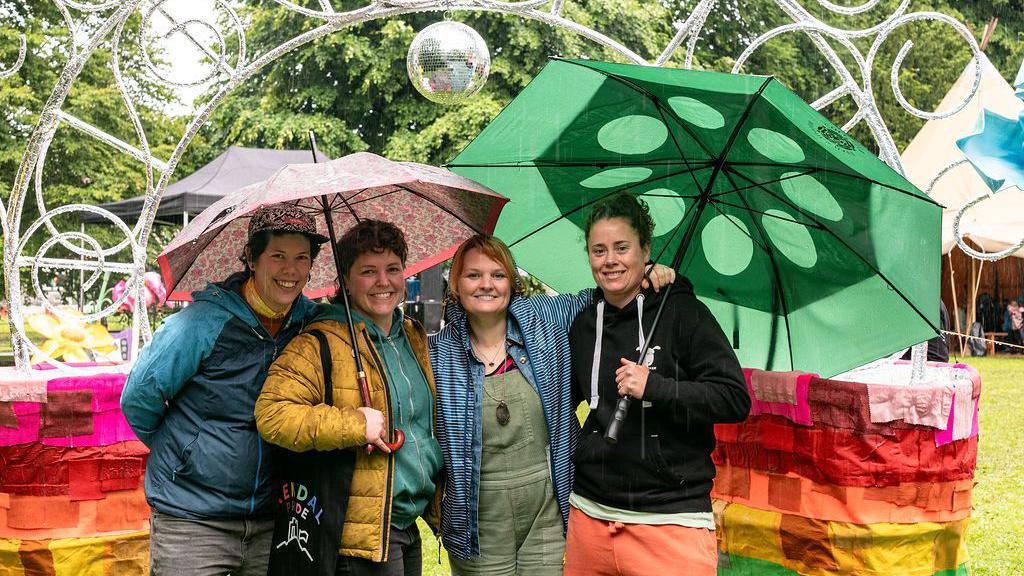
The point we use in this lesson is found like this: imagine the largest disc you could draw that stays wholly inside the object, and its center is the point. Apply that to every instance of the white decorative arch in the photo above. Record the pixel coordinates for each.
(231, 70)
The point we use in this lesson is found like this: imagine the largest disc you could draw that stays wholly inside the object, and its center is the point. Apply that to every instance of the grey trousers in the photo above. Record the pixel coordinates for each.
(405, 557)
(183, 547)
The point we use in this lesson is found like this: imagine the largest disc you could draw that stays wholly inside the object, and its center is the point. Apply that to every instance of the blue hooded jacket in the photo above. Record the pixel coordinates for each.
(190, 399)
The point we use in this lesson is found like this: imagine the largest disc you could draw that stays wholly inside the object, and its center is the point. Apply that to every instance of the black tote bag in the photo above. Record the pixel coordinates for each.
(312, 490)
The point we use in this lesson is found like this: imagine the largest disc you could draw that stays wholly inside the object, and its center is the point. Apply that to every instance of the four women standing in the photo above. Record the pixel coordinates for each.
(510, 374)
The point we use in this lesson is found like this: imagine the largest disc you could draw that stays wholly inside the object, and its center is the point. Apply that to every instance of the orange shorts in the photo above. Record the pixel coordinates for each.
(601, 548)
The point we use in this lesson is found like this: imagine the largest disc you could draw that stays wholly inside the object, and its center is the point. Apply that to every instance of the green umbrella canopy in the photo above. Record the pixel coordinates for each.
(812, 253)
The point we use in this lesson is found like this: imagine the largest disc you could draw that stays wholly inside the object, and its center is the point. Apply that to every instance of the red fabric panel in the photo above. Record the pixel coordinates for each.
(831, 455)
(121, 473)
(8, 419)
(36, 558)
(84, 479)
(784, 492)
(66, 413)
(38, 470)
(807, 541)
(33, 470)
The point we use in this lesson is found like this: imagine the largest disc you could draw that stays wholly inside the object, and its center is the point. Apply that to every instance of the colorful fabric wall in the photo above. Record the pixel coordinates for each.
(71, 496)
(825, 477)
(829, 477)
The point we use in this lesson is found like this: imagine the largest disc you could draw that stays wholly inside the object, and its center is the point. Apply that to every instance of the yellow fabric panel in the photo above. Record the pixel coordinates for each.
(123, 554)
(882, 549)
(10, 562)
(752, 533)
(79, 556)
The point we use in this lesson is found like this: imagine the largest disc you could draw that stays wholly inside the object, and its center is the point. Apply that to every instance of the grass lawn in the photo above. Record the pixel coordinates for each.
(995, 537)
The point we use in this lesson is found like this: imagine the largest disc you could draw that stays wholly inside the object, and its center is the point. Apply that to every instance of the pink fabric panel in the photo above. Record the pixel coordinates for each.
(920, 405)
(109, 425)
(783, 386)
(966, 397)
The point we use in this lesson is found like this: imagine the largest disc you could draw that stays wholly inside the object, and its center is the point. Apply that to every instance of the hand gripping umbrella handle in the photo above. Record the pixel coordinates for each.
(364, 393)
(611, 435)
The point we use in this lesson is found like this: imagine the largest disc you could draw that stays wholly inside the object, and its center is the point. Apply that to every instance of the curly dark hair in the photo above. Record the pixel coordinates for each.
(630, 208)
(370, 236)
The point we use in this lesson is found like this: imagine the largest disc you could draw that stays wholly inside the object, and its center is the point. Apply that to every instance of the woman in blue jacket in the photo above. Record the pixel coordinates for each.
(190, 399)
(506, 423)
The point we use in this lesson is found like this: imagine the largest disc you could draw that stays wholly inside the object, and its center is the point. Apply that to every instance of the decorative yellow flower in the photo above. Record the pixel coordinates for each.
(70, 339)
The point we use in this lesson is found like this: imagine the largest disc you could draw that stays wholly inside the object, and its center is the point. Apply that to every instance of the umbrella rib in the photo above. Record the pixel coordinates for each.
(752, 186)
(657, 101)
(746, 207)
(736, 226)
(922, 197)
(679, 149)
(778, 285)
(848, 247)
(443, 208)
(562, 215)
(347, 205)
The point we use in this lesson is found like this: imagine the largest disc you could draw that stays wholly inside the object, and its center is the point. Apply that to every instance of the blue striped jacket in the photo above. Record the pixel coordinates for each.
(538, 340)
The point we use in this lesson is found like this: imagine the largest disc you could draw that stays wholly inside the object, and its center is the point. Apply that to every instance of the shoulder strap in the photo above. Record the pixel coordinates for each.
(328, 366)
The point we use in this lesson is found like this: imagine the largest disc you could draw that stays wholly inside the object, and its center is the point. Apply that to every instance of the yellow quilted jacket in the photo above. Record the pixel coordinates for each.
(290, 413)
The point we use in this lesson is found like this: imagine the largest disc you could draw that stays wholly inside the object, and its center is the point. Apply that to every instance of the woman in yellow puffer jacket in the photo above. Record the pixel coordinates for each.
(389, 490)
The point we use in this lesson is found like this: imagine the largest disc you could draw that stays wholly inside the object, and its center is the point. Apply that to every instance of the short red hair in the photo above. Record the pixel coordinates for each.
(494, 249)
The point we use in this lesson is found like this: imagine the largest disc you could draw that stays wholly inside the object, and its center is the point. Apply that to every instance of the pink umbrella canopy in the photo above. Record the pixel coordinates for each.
(436, 209)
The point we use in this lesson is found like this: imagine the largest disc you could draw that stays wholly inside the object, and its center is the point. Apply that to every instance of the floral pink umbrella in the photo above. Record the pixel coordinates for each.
(436, 209)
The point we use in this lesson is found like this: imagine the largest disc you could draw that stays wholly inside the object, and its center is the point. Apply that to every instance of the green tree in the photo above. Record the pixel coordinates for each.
(351, 87)
(79, 168)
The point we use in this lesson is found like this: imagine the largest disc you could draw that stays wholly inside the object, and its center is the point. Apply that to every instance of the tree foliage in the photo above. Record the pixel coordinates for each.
(351, 86)
(78, 168)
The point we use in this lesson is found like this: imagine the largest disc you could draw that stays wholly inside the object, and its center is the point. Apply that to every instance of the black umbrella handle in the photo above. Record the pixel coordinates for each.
(611, 435)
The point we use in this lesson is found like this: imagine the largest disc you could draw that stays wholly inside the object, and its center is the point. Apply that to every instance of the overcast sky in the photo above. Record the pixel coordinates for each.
(183, 57)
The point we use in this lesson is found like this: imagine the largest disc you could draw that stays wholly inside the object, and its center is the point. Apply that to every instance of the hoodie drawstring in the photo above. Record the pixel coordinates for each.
(596, 365)
(594, 397)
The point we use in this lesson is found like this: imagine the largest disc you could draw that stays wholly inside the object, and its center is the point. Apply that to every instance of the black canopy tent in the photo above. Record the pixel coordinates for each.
(235, 168)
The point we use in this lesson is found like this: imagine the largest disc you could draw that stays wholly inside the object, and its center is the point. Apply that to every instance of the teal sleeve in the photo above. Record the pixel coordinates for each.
(163, 368)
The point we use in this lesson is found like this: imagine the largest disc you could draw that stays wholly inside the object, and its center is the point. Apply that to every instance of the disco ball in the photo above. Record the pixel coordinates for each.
(448, 62)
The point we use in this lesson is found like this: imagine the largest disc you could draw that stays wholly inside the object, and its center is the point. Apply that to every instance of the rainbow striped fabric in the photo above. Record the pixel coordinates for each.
(818, 481)
(71, 496)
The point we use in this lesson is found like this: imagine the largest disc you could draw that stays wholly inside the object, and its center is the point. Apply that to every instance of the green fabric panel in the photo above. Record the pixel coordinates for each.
(741, 566)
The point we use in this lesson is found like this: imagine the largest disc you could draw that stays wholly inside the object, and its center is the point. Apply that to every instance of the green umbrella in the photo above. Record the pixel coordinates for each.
(812, 253)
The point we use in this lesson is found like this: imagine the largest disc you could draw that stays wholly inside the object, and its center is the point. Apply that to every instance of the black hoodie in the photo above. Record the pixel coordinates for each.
(662, 461)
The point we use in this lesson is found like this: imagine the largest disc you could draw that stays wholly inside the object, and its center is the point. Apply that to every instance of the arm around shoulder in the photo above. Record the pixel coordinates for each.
(563, 308)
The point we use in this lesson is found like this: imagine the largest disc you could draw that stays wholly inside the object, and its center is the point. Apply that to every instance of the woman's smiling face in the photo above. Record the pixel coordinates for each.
(617, 259)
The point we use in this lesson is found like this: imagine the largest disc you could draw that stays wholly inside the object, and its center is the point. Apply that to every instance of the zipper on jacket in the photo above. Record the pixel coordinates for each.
(389, 480)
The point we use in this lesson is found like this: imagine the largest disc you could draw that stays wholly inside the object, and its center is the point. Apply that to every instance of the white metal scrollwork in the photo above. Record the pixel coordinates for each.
(229, 68)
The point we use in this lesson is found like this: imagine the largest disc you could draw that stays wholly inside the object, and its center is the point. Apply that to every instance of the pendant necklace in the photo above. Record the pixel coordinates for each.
(502, 412)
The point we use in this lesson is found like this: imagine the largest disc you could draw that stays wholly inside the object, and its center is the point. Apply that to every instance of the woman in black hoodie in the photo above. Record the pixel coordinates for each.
(643, 504)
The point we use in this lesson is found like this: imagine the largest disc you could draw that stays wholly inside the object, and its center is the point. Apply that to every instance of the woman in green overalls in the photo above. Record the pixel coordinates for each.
(506, 423)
